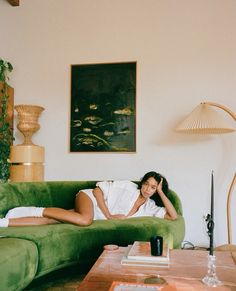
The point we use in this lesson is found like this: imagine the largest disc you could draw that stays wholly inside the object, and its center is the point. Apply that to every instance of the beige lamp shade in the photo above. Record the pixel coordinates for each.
(204, 120)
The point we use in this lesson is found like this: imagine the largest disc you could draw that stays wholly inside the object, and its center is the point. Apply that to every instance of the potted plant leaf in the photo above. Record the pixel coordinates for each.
(6, 120)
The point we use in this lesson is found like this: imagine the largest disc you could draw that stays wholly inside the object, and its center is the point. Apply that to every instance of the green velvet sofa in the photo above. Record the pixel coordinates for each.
(27, 253)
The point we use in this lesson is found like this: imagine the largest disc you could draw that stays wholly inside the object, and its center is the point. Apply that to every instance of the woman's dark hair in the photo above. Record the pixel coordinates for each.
(157, 177)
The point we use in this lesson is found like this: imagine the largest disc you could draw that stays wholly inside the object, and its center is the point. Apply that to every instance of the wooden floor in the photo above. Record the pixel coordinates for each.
(62, 280)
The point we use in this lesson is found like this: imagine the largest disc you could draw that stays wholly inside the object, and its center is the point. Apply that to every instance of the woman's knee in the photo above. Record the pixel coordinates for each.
(84, 221)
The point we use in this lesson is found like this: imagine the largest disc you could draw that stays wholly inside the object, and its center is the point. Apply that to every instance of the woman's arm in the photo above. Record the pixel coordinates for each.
(170, 210)
(98, 194)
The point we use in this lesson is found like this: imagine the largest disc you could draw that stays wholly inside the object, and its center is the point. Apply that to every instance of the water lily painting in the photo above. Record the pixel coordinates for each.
(103, 107)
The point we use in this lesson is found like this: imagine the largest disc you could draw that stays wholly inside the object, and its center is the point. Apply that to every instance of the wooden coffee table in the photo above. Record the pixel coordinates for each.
(187, 268)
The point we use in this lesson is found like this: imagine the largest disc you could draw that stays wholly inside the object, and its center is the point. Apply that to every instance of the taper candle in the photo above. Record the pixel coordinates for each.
(212, 215)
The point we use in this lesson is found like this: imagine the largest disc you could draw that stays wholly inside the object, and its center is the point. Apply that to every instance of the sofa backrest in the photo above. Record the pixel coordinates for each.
(51, 194)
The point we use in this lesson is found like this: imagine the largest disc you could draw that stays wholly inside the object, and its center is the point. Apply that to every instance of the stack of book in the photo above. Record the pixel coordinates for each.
(128, 286)
(139, 254)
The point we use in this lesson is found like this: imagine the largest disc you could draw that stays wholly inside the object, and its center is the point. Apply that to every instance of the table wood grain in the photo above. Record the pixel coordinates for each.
(187, 268)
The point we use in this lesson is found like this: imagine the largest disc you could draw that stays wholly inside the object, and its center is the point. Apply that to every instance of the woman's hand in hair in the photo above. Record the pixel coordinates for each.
(159, 187)
(170, 210)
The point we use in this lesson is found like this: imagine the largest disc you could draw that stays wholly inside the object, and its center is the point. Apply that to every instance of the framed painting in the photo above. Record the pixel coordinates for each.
(103, 107)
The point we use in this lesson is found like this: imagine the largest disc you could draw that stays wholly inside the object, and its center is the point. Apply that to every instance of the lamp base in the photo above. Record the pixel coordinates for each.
(229, 248)
(155, 280)
(211, 279)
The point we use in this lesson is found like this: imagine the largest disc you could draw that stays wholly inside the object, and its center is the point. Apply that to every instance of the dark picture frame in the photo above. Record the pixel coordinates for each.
(103, 107)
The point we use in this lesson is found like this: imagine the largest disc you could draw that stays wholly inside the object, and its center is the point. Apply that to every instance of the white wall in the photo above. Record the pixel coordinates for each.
(185, 51)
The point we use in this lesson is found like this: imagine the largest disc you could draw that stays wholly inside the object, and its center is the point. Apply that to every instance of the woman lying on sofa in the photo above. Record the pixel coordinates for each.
(109, 200)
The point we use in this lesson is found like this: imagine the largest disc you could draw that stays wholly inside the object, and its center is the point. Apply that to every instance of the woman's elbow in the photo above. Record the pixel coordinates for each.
(171, 217)
(174, 217)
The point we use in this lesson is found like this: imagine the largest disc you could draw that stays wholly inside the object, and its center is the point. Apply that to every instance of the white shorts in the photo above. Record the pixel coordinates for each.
(97, 211)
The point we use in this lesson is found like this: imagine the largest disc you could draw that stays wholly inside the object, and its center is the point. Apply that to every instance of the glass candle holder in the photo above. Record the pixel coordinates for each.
(211, 278)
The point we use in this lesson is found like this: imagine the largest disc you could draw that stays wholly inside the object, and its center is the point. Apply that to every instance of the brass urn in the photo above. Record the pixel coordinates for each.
(28, 121)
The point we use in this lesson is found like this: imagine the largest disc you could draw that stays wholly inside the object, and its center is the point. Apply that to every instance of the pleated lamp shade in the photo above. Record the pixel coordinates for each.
(204, 120)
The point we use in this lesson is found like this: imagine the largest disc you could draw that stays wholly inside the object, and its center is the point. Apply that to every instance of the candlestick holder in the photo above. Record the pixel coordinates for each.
(210, 231)
(211, 279)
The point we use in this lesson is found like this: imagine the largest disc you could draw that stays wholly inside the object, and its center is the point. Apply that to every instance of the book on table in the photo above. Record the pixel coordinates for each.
(131, 286)
(139, 254)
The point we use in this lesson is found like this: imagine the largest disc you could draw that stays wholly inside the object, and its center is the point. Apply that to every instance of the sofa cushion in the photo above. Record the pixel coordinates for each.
(60, 245)
(18, 263)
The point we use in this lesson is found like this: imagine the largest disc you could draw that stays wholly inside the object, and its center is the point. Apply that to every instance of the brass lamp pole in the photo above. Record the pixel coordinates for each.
(231, 113)
(229, 196)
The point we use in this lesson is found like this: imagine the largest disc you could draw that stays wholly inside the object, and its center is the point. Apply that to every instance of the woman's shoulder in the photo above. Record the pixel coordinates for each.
(125, 184)
(118, 183)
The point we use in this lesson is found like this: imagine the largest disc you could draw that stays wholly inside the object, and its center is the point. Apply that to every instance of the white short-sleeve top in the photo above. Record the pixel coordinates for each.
(119, 197)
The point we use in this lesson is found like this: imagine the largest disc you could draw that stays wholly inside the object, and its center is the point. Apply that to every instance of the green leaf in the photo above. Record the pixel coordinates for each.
(6, 136)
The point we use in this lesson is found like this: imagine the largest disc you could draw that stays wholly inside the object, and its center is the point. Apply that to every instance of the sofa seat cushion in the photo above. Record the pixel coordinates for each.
(60, 245)
(18, 263)
(142, 228)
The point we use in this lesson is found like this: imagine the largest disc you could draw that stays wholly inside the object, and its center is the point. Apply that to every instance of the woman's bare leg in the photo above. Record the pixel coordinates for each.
(30, 221)
(83, 214)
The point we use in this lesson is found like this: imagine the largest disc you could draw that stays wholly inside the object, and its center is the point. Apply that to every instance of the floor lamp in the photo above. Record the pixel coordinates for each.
(205, 120)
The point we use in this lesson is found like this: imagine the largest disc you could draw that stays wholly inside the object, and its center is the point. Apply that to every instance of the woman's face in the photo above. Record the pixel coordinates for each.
(149, 187)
